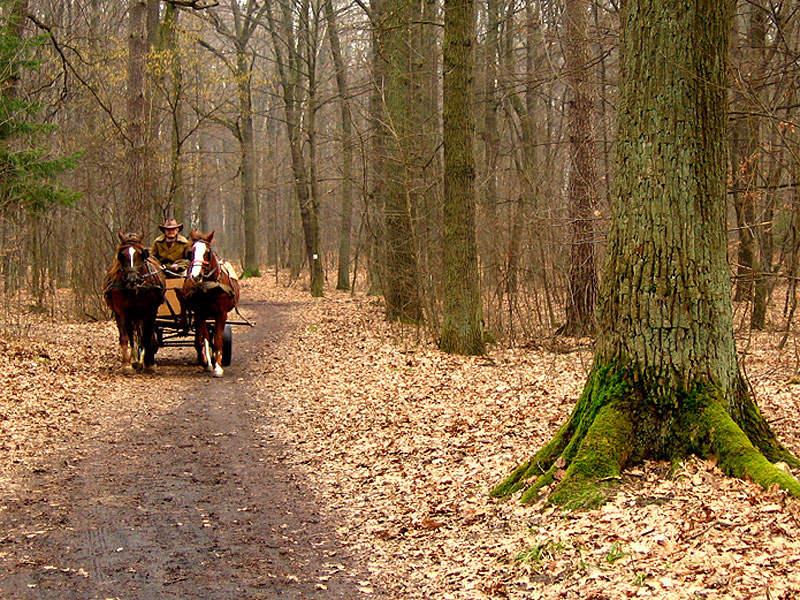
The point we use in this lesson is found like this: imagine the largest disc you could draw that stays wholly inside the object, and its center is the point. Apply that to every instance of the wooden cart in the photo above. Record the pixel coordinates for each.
(171, 332)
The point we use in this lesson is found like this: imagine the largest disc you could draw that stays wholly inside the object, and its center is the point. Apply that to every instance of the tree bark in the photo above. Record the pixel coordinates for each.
(401, 280)
(462, 330)
(346, 224)
(137, 208)
(582, 196)
(665, 381)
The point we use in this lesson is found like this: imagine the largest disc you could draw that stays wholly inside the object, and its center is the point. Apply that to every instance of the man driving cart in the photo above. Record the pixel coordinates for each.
(171, 249)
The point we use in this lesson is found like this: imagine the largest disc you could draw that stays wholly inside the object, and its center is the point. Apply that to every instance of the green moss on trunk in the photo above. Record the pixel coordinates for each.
(625, 416)
(600, 388)
(599, 459)
(736, 454)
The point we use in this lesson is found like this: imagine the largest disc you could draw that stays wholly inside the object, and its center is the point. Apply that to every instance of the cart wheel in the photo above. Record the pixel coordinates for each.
(227, 345)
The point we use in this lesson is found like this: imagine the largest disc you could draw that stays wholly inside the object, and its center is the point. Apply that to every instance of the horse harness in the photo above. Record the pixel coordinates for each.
(134, 279)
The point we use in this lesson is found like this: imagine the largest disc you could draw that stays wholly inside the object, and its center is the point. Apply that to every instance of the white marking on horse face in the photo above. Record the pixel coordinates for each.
(131, 252)
(198, 252)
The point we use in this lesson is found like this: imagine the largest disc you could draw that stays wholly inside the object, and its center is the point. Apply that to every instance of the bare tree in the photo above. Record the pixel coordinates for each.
(462, 329)
(346, 224)
(290, 47)
(582, 279)
(136, 217)
(246, 18)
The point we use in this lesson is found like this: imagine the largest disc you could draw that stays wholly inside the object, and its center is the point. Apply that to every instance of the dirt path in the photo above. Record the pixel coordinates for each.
(194, 504)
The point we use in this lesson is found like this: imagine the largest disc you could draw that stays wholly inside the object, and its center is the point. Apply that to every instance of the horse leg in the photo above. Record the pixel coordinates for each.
(124, 327)
(219, 331)
(137, 346)
(201, 342)
(148, 342)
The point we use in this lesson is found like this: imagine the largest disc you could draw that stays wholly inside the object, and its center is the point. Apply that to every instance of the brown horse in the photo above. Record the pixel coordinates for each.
(133, 289)
(210, 291)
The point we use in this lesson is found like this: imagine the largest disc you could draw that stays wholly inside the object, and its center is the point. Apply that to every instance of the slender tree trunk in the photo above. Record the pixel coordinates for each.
(582, 279)
(401, 285)
(462, 329)
(491, 138)
(309, 51)
(745, 154)
(239, 31)
(665, 380)
(346, 224)
(765, 200)
(376, 163)
(137, 207)
(247, 161)
(288, 65)
(526, 159)
(176, 192)
(424, 156)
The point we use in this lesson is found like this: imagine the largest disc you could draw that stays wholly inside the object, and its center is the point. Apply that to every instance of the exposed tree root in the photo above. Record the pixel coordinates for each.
(736, 454)
(620, 421)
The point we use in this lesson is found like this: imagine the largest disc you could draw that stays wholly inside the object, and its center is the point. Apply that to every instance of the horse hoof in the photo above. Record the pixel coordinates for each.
(150, 369)
(218, 371)
(127, 370)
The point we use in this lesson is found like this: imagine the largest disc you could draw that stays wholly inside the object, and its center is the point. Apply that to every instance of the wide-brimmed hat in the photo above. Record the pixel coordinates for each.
(171, 224)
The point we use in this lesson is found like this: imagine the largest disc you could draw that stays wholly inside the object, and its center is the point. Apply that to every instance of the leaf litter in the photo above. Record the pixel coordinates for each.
(401, 444)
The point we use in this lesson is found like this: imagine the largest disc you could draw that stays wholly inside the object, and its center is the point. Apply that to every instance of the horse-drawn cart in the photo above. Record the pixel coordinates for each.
(171, 330)
(135, 285)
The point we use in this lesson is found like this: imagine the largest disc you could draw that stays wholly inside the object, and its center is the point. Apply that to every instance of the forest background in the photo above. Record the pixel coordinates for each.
(313, 128)
(315, 135)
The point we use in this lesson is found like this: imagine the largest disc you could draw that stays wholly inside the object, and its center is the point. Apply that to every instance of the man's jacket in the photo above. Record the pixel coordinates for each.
(167, 256)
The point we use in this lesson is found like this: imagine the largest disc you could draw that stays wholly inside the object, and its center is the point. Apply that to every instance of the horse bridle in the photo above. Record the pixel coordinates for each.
(204, 274)
(133, 274)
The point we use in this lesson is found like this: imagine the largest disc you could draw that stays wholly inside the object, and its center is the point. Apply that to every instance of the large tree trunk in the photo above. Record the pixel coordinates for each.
(665, 381)
(462, 330)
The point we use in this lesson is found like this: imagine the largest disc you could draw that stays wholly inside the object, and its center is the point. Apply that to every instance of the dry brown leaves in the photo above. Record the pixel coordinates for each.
(401, 444)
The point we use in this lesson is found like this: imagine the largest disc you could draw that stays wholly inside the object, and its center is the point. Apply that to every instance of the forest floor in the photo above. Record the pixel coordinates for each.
(343, 457)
